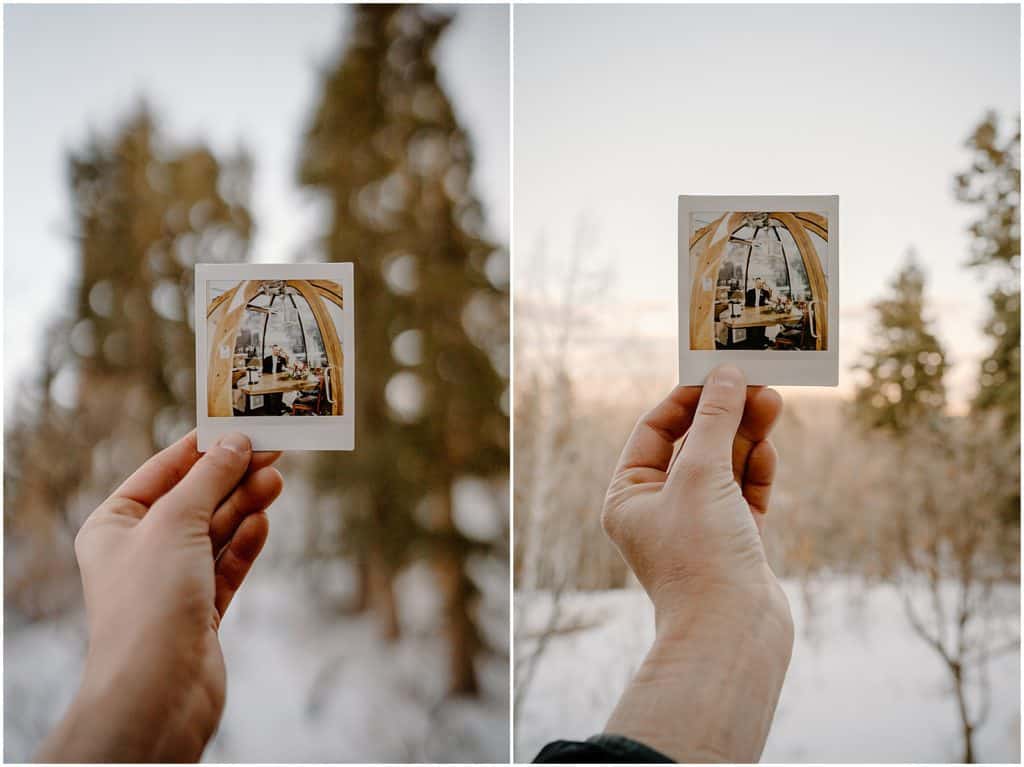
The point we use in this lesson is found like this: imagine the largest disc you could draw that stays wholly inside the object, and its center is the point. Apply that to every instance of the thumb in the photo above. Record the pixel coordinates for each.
(210, 480)
(710, 438)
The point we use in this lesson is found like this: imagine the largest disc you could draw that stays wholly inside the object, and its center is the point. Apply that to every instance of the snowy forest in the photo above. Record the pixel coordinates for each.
(375, 626)
(894, 523)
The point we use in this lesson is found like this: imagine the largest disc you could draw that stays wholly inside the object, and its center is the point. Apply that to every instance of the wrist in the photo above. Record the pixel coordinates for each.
(708, 688)
(708, 606)
(100, 725)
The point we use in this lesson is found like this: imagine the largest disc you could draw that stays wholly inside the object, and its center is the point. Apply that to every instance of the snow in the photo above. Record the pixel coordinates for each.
(303, 685)
(861, 686)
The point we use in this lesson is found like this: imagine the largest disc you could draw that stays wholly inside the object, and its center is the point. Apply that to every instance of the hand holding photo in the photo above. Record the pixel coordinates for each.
(274, 358)
(758, 276)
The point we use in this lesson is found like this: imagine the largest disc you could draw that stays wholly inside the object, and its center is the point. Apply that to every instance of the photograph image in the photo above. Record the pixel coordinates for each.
(285, 353)
(275, 357)
(757, 275)
(771, 286)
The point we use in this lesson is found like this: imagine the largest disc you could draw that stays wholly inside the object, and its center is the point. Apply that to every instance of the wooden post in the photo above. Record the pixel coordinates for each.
(705, 260)
(223, 318)
(815, 272)
(332, 345)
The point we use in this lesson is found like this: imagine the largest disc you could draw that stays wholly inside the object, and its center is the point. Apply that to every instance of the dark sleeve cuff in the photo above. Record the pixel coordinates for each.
(599, 749)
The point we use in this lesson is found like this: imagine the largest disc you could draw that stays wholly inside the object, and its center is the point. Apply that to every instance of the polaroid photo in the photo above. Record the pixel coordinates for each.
(759, 288)
(275, 356)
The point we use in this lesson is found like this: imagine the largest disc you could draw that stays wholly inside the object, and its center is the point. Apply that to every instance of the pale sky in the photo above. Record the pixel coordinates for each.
(221, 74)
(619, 110)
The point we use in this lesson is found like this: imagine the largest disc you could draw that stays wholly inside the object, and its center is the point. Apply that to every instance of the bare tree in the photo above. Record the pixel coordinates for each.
(548, 320)
(959, 574)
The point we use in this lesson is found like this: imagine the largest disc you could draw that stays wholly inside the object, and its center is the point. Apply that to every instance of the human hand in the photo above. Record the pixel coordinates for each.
(161, 559)
(694, 527)
(689, 528)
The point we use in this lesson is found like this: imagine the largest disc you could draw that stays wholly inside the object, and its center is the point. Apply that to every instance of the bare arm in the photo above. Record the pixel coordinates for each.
(708, 688)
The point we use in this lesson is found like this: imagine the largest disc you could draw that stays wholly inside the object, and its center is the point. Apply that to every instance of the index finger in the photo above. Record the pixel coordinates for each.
(650, 444)
(161, 472)
(760, 413)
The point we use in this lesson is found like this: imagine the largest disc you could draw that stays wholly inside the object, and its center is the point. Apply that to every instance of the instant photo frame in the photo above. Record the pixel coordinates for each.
(312, 390)
(785, 335)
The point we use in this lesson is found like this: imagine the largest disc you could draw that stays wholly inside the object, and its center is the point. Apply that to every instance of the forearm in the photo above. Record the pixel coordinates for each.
(95, 729)
(123, 716)
(707, 690)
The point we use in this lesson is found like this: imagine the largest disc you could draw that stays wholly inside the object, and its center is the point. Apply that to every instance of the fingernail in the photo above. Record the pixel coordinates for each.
(727, 375)
(236, 443)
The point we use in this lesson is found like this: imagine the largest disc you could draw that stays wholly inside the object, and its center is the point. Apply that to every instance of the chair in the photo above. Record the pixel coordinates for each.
(309, 403)
(794, 335)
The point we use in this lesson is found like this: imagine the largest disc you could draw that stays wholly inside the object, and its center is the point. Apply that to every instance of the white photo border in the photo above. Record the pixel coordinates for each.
(323, 433)
(789, 368)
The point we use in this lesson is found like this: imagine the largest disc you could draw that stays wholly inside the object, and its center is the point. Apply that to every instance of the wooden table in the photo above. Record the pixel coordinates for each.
(277, 383)
(761, 317)
(758, 317)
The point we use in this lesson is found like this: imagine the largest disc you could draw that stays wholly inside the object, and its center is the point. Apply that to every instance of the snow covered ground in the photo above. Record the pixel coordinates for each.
(861, 686)
(302, 686)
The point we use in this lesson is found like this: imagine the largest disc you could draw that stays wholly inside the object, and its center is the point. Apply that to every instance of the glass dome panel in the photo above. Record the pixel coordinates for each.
(733, 267)
(315, 352)
(801, 286)
(249, 342)
(768, 261)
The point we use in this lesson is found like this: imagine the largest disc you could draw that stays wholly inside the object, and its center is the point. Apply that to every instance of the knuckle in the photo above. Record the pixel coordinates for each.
(122, 507)
(693, 470)
(611, 521)
(714, 408)
(652, 421)
(193, 511)
(222, 459)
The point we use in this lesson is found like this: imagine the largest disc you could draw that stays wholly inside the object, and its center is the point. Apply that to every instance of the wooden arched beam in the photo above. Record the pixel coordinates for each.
(696, 236)
(330, 290)
(816, 219)
(223, 319)
(212, 307)
(814, 223)
(815, 274)
(704, 278)
(329, 334)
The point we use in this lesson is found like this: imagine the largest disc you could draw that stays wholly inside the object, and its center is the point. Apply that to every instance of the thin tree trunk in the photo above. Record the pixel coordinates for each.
(382, 595)
(459, 628)
(967, 727)
(361, 600)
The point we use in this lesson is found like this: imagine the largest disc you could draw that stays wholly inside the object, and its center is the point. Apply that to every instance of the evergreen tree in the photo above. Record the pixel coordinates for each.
(905, 366)
(144, 212)
(992, 184)
(144, 218)
(386, 150)
(943, 524)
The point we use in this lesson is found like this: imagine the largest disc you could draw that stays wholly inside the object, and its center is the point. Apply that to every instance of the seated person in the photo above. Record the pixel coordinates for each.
(274, 362)
(759, 295)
